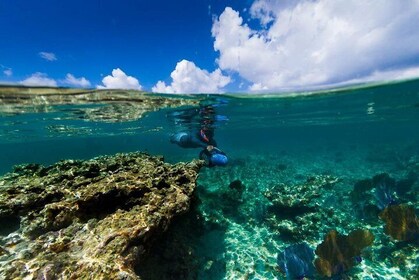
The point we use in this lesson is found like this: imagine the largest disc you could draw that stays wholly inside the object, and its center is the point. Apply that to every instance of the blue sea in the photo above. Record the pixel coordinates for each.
(276, 144)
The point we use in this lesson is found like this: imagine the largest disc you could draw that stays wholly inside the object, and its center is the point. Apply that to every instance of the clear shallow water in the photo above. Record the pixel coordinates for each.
(349, 135)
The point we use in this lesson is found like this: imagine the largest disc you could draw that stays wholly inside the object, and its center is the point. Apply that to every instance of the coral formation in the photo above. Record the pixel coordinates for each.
(401, 222)
(299, 211)
(298, 199)
(296, 261)
(338, 253)
(90, 219)
(371, 196)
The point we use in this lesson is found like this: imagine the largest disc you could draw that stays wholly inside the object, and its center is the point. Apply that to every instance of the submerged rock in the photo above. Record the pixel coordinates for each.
(237, 185)
(90, 219)
(300, 211)
(372, 196)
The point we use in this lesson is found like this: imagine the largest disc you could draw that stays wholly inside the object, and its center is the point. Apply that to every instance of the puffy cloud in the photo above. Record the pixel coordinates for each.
(265, 10)
(48, 56)
(78, 82)
(188, 78)
(119, 80)
(310, 43)
(39, 79)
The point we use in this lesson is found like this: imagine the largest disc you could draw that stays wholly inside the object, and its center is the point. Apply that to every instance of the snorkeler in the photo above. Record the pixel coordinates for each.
(210, 153)
(201, 136)
(199, 139)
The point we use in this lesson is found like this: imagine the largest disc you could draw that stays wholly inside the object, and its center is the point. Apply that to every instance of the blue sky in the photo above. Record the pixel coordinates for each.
(207, 45)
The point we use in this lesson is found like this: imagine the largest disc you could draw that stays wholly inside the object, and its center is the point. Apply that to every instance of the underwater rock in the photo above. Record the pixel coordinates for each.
(360, 188)
(177, 256)
(120, 105)
(297, 261)
(237, 185)
(401, 222)
(370, 196)
(96, 217)
(339, 253)
(298, 199)
(281, 166)
(299, 211)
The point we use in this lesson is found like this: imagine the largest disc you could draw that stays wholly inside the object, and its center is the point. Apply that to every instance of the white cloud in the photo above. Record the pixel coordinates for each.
(188, 78)
(8, 72)
(388, 75)
(309, 43)
(119, 80)
(39, 79)
(48, 56)
(78, 82)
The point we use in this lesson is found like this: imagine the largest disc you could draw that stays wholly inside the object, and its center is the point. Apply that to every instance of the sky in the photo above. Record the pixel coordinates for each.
(207, 46)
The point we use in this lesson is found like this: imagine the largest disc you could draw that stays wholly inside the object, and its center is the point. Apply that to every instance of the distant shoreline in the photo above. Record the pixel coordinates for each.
(320, 91)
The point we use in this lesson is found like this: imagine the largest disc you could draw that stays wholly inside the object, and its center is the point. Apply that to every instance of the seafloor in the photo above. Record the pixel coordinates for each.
(236, 230)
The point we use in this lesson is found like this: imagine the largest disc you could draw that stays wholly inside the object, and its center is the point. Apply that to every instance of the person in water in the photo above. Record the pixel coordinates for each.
(201, 136)
(201, 139)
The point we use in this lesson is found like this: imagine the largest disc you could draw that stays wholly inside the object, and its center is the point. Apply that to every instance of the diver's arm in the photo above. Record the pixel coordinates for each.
(218, 151)
(205, 155)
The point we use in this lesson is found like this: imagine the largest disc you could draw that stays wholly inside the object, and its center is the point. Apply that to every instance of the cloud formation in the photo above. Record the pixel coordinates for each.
(310, 43)
(119, 80)
(48, 56)
(188, 78)
(77, 82)
(8, 72)
(39, 79)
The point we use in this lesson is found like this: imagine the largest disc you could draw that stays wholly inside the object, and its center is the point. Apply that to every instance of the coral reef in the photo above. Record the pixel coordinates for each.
(338, 253)
(296, 261)
(371, 196)
(255, 230)
(191, 249)
(401, 222)
(301, 198)
(299, 211)
(90, 219)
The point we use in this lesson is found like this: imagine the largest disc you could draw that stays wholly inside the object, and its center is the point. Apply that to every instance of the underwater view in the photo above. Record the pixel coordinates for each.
(113, 184)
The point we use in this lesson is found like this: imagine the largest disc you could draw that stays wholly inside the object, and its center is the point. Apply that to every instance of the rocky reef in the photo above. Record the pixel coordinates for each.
(119, 105)
(91, 219)
(299, 211)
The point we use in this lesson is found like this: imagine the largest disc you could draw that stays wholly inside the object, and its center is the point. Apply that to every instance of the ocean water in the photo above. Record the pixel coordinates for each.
(275, 144)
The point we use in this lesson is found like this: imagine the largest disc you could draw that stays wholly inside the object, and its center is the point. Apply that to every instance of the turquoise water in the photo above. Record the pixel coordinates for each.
(274, 144)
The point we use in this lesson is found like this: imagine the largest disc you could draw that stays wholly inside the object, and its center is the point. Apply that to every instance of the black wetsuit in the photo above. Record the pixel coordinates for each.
(193, 140)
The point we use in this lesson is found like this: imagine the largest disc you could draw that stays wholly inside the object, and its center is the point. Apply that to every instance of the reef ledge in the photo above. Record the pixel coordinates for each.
(90, 219)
